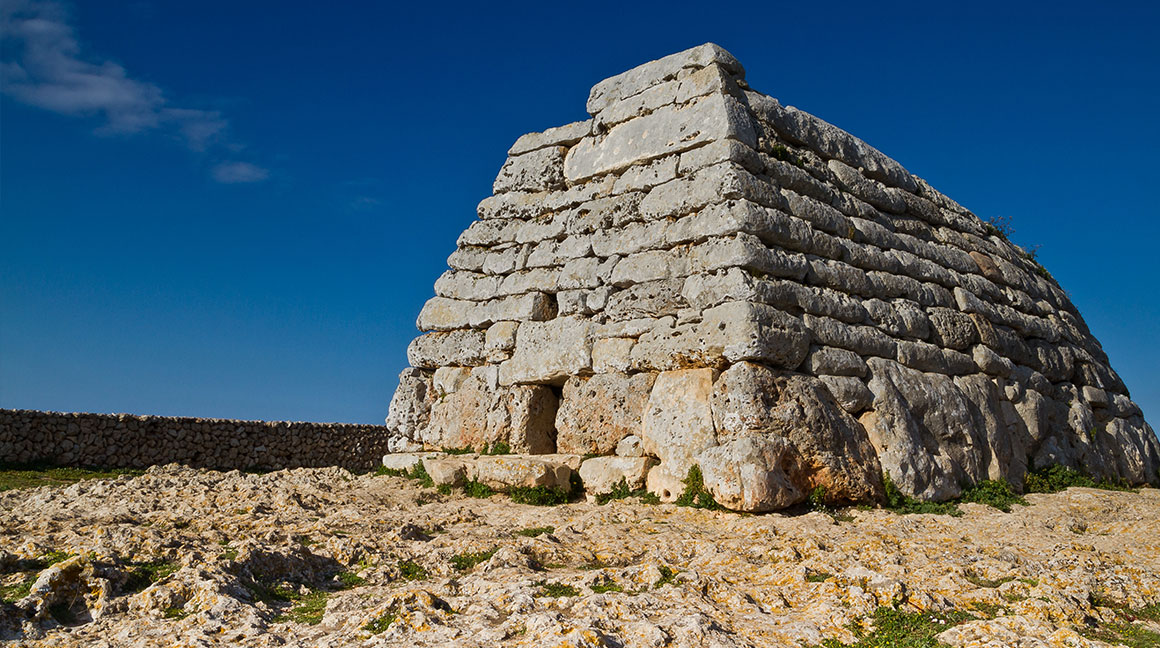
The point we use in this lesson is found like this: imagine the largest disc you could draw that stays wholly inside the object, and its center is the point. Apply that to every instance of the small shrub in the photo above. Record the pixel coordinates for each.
(817, 577)
(556, 590)
(780, 152)
(383, 471)
(497, 448)
(535, 532)
(307, 609)
(621, 491)
(894, 628)
(995, 493)
(1053, 479)
(539, 495)
(467, 560)
(13, 593)
(695, 494)
(668, 576)
(477, 489)
(142, 575)
(411, 571)
(605, 586)
(379, 624)
(419, 474)
(1000, 226)
(459, 451)
(176, 612)
(350, 579)
(898, 502)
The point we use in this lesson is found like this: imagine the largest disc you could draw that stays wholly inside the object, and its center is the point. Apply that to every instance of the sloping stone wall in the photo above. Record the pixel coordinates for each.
(740, 283)
(127, 441)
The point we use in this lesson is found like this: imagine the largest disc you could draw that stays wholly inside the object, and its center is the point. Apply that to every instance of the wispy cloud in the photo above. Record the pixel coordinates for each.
(239, 172)
(43, 65)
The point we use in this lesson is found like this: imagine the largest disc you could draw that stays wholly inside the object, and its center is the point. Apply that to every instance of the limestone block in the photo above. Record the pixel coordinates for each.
(531, 413)
(477, 413)
(923, 430)
(834, 362)
(438, 349)
(718, 152)
(598, 411)
(678, 422)
(928, 357)
(654, 265)
(443, 314)
(863, 340)
(646, 176)
(670, 129)
(565, 135)
(990, 362)
(549, 352)
(612, 355)
(711, 185)
(952, 329)
(899, 318)
(630, 446)
(534, 307)
(1095, 397)
(748, 252)
(833, 449)
(538, 170)
(849, 392)
(405, 460)
(467, 285)
(446, 471)
(653, 73)
(570, 460)
(650, 299)
(748, 331)
(410, 406)
(448, 379)
(750, 474)
(500, 341)
(663, 483)
(686, 86)
(602, 474)
(503, 472)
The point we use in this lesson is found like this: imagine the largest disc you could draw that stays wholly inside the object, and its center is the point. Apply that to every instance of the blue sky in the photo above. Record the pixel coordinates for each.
(237, 209)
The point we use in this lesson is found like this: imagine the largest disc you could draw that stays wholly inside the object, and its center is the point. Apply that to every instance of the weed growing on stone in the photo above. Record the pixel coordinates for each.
(780, 152)
(1124, 630)
(467, 560)
(555, 590)
(477, 489)
(383, 471)
(999, 226)
(539, 495)
(895, 628)
(535, 532)
(176, 612)
(410, 570)
(497, 448)
(695, 494)
(15, 592)
(668, 576)
(606, 585)
(995, 493)
(622, 491)
(458, 451)
(350, 579)
(419, 474)
(307, 609)
(144, 574)
(979, 581)
(379, 624)
(898, 502)
(19, 476)
(817, 577)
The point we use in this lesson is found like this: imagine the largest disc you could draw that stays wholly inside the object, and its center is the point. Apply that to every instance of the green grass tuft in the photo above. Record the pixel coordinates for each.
(668, 576)
(307, 609)
(458, 451)
(379, 624)
(897, 629)
(535, 532)
(605, 586)
(556, 590)
(497, 448)
(1053, 479)
(144, 574)
(20, 476)
(817, 577)
(898, 502)
(539, 495)
(621, 491)
(477, 489)
(176, 612)
(13, 593)
(467, 560)
(410, 570)
(350, 579)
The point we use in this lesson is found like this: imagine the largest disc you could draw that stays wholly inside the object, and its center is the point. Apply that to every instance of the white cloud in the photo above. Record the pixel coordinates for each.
(44, 66)
(239, 172)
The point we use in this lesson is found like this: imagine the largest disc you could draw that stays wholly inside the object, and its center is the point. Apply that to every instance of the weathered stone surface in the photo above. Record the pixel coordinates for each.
(832, 361)
(600, 410)
(549, 352)
(446, 471)
(653, 73)
(849, 392)
(833, 449)
(669, 130)
(505, 472)
(566, 135)
(478, 413)
(538, 170)
(952, 329)
(678, 422)
(630, 446)
(750, 474)
(439, 349)
(405, 460)
(747, 331)
(602, 474)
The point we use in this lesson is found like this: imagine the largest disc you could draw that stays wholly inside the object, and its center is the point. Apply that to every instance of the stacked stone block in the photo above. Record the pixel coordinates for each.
(746, 288)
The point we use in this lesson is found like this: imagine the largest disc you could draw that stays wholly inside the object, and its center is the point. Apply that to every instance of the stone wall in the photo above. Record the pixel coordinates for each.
(127, 441)
(746, 287)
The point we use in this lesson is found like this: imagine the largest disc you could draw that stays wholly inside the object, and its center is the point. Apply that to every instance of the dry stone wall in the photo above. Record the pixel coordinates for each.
(126, 441)
(746, 288)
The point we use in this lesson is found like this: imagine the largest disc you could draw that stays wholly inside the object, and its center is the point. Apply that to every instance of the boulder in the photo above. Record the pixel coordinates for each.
(602, 474)
(678, 422)
(752, 474)
(596, 412)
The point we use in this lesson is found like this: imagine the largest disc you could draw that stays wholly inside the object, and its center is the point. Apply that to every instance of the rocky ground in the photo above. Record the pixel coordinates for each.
(321, 557)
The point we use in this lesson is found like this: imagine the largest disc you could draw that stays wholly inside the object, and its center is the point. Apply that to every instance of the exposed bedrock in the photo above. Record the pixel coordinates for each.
(706, 277)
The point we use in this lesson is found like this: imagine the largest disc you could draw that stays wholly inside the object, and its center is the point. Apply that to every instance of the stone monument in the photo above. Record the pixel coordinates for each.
(701, 276)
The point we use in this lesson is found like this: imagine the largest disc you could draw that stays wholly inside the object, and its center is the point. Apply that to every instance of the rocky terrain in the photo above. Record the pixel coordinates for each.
(323, 557)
